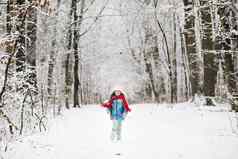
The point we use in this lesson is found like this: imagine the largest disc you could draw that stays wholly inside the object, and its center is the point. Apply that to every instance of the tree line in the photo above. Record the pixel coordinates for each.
(51, 50)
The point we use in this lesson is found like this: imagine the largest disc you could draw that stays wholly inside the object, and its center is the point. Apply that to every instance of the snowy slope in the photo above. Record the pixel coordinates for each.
(149, 132)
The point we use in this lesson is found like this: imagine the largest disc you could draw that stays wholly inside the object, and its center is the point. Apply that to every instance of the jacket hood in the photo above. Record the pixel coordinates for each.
(118, 89)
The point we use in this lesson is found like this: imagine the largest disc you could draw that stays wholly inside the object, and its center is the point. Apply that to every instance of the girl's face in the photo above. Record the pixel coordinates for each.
(117, 92)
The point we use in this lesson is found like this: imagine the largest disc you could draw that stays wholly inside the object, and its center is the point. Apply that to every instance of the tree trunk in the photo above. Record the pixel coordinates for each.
(174, 60)
(169, 60)
(193, 44)
(76, 37)
(232, 57)
(68, 80)
(199, 54)
(53, 52)
(20, 27)
(234, 45)
(185, 64)
(210, 64)
(31, 30)
(9, 14)
(68, 62)
(151, 52)
(190, 43)
(76, 53)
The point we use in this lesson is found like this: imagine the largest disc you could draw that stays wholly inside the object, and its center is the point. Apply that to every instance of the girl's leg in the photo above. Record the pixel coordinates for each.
(114, 129)
(119, 123)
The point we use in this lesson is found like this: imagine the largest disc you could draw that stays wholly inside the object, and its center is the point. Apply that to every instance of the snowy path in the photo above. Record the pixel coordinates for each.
(148, 133)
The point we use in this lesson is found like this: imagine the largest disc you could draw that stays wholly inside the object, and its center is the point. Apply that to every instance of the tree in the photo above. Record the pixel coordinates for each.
(193, 45)
(75, 42)
(234, 40)
(53, 52)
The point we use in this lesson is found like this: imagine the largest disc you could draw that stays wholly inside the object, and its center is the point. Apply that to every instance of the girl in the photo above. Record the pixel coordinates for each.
(118, 108)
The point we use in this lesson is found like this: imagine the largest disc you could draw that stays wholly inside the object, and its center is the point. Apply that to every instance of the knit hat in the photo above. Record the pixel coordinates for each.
(118, 88)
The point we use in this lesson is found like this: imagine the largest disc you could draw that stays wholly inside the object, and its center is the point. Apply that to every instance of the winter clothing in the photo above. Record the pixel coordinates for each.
(122, 101)
(118, 108)
(116, 130)
(119, 88)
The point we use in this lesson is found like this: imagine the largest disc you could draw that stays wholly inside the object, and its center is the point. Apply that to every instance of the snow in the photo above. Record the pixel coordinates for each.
(150, 131)
(3, 54)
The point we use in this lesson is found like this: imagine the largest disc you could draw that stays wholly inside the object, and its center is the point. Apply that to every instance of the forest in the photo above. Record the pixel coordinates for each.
(57, 55)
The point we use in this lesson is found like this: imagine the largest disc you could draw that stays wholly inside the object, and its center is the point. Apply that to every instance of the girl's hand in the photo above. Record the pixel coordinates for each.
(105, 103)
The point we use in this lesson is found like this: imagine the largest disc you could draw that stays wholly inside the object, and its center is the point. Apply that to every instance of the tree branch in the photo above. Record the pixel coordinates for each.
(6, 73)
(95, 20)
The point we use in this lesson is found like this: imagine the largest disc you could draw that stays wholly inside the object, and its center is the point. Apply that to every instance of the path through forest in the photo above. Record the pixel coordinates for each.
(149, 132)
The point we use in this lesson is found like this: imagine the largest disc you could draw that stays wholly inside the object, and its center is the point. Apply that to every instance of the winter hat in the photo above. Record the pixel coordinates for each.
(118, 88)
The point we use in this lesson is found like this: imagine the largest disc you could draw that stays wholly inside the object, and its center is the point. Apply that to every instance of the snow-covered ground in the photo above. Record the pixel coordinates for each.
(149, 132)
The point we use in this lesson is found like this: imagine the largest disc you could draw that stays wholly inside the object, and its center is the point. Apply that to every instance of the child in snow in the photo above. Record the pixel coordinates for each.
(118, 108)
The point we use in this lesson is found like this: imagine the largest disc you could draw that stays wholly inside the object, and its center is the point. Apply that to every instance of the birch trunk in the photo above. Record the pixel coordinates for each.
(199, 54)
(53, 52)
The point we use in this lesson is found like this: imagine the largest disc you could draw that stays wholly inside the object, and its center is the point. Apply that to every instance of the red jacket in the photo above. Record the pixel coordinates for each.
(122, 97)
